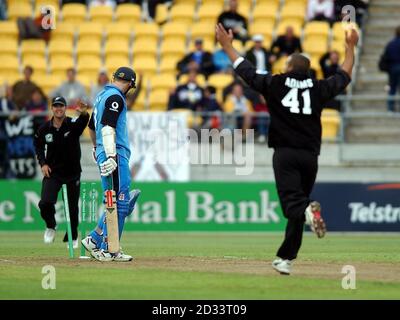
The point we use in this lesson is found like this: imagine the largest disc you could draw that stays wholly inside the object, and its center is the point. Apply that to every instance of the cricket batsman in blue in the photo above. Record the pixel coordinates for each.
(109, 134)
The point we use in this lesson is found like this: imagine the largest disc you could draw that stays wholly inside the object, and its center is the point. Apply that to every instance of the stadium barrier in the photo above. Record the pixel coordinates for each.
(219, 206)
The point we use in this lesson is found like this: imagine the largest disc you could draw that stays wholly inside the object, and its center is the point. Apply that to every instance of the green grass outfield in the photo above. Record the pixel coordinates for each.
(203, 266)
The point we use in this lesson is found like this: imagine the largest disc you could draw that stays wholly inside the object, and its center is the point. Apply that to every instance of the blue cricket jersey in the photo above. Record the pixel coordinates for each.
(110, 109)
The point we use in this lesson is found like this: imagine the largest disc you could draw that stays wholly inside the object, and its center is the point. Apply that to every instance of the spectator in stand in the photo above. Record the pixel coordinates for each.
(133, 94)
(72, 90)
(200, 59)
(259, 56)
(22, 90)
(3, 10)
(151, 5)
(29, 28)
(361, 7)
(252, 95)
(6, 107)
(187, 96)
(38, 102)
(102, 80)
(97, 3)
(329, 63)
(262, 120)
(286, 44)
(221, 61)
(392, 59)
(73, 1)
(231, 19)
(321, 10)
(240, 108)
(212, 108)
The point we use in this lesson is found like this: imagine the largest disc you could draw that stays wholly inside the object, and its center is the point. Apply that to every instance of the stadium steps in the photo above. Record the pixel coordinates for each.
(379, 29)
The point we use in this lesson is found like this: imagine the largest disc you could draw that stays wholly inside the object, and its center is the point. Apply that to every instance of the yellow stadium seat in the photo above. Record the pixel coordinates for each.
(174, 31)
(64, 31)
(264, 28)
(145, 47)
(10, 66)
(330, 120)
(8, 30)
(172, 47)
(203, 30)
(296, 2)
(182, 13)
(146, 30)
(74, 13)
(272, 2)
(316, 66)
(208, 45)
(89, 31)
(101, 14)
(315, 48)
(118, 31)
(47, 82)
(86, 81)
(38, 64)
(129, 13)
(145, 65)
(113, 63)
(265, 13)
(295, 12)
(282, 26)
(168, 65)
(116, 48)
(279, 66)
(244, 8)
(18, 9)
(220, 81)
(209, 12)
(140, 102)
(200, 79)
(60, 64)
(162, 13)
(9, 47)
(158, 99)
(163, 81)
(192, 2)
(88, 48)
(319, 28)
(33, 48)
(89, 66)
(54, 3)
(60, 48)
(339, 46)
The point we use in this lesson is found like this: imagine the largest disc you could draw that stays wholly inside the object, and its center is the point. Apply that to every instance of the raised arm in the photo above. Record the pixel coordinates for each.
(351, 42)
(244, 68)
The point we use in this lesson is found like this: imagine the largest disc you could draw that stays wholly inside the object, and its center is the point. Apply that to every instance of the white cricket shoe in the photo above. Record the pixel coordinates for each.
(122, 257)
(75, 244)
(102, 255)
(89, 244)
(282, 266)
(314, 219)
(49, 235)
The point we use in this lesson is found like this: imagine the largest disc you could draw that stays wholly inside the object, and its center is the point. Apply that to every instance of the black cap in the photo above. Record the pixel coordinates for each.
(127, 74)
(59, 101)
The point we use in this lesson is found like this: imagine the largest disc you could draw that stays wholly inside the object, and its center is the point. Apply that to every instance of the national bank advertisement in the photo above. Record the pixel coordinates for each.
(217, 206)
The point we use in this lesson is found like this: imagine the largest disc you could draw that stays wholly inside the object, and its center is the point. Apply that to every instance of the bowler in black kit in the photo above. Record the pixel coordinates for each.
(58, 152)
(295, 101)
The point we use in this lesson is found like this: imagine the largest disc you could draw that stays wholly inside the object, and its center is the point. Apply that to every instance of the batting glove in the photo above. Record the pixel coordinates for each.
(107, 167)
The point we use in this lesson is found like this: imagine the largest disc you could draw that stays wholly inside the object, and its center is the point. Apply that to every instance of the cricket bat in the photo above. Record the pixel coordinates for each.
(112, 221)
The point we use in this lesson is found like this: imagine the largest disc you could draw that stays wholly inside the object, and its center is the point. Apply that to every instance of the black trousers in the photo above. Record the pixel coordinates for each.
(50, 188)
(295, 172)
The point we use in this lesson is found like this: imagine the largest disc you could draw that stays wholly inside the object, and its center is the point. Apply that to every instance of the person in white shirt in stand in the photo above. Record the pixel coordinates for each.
(321, 10)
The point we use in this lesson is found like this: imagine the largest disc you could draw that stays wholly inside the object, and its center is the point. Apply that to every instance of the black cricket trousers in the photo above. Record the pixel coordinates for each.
(295, 173)
(50, 188)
